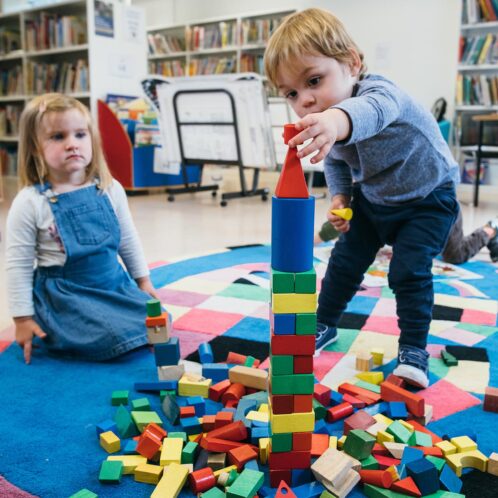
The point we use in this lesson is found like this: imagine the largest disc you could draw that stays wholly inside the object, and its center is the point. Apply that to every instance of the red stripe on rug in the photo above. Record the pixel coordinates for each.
(11, 491)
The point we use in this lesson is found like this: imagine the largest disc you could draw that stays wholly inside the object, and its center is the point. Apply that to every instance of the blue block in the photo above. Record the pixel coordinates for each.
(198, 403)
(301, 476)
(402, 471)
(336, 399)
(206, 352)
(181, 400)
(284, 324)
(244, 407)
(377, 408)
(292, 234)
(259, 396)
(156, 386)
(259, 432)
(309, 490)
(191, 425)
(321, 427)
(252, 464)
(449, 480)
(130, 447)
(397, 409)
(215, 371)
(167, 353)
(106, 425)
(425, 475)
(411, 455)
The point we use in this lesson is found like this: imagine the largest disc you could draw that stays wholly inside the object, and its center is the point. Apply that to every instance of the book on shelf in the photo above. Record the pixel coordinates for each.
(10, 40)
(258, 31)
(475, 11)
(477, 90)
(168, 68)
(252, 63)
(160, 43)
(481, 49)
(8, 161)
(9, 120)
(11, 82)
(218, 35)
(211, 65)
(65, 77)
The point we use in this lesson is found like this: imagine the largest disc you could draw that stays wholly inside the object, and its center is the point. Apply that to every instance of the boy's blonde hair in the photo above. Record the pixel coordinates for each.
(309, 32)
(32, 168)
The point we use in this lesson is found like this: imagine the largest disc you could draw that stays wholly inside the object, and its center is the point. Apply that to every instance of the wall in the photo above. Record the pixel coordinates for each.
(413, 42)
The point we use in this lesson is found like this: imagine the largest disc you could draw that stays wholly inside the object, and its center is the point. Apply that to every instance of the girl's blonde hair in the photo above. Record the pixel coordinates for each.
(309, 32)
(32, 168)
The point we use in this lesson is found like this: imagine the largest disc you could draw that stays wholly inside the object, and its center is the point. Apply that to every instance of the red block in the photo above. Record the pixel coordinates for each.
(223, 418)
(421, 428)
(282, 403)
(357, 403)
(303, 364)
(397, 381)
(219, 445)
(431, 450)
(365, 395)
(385, 462)
(290, 460)
(148, 444)
(301, 441)
(319, 444)
(406, 486)
(322, 394)
(303, 403)
(359, 420)
(379, 449)
(414, 403)
(284, 491)
(208, 423)
(292, 344)
(340, 411)
(236, 431)
(236, 358)
(187, 411)
(241, 455)
(381, 478)
(234, 392)
(156, 430)
(277, 476)
(201, 480)
(216, 391)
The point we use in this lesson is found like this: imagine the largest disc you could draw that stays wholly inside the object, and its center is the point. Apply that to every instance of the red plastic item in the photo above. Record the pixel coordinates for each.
(340, 411)
(202, 480)
(234, 392)
(284, 491)
(406, 486)
(381, 478)
(322, 393)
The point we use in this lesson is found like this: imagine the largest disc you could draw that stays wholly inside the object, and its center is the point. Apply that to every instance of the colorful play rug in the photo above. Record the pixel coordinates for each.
(49, 410)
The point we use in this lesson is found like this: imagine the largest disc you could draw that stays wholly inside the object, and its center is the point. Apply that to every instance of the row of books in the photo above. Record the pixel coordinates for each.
(9, 120)
(219, 35)
(252, 63)
(11, 82)
(467, 131)
(258, 31)
(479, 49)
(477, 90)
(475, 11)
(64, 77)
(8, 161)
(53, 31)
(160, 43)
(10, 40)
(168, 68)
(212, 65)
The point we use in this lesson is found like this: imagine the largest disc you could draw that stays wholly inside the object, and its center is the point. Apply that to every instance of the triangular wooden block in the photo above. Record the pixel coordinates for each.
(284, 491)
(396, 449)
(406, 486)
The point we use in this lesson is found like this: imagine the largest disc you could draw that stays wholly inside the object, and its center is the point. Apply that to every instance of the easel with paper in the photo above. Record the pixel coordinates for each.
(219, 119)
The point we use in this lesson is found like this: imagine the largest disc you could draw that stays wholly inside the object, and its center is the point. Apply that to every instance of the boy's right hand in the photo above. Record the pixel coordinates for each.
(339, 202)
(26, 328)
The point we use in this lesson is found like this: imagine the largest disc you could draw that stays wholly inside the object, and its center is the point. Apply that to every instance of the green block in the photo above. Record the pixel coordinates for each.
(375, 492)
(359, 444)
(141, 405)
(282, 282)
(444, 494)
(368, 385)
(143, 419)
(249, 361)
(153, 307)
(124, 422)
(242, 291)
(232, 475)
(305, 323)
(179, 435)
(319, 409)
(292, 384)
(189, 451)
(213, 493)
(111, 471)
(282, 364)
(449, 359)
(420, 439)
(282, 442)
(305, 282)
(246, 485)
(119, 398)
(369, 463)
(327, 494)
(84, 493)
(400, 432)
(163, 394)
(439, 463)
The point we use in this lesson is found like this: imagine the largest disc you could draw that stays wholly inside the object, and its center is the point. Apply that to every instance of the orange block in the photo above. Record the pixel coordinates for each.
(406, 486)
(241, 455)
(236, 431)
(381, 478)
(219, 445)
(157, 321)
(187, 411)
(208, 423)
(223, 418)
(303, 403)
(217, 390)
(319, 444)
(414, 403)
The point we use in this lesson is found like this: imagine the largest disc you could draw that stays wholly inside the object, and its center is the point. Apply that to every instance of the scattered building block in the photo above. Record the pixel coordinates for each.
(448, 358)
(493, 464)
(206, 352)
(171, 451)
(148, 473)
(171, 372)
(406, 486)
(322, 394)
(395, 449)
(358, 444)
(194, 385)
(129, 462)
(338, 412)
(425, 475)
(359, 420)
(239, 456)
(377, 355)
(463, 443)
(110, 442)
(201, 480)
(111, 472)
(364, 362)
(84, 493)
(449, 480)
(474, 459)
(172, 481)
(119, 398)
(142, 419)
(371, 377)
(246, 485)
(490, 399)
(381, 478)
(391, 392)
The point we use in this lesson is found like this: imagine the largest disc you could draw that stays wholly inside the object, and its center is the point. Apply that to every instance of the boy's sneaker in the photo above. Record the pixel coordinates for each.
(325, 335)
(492, 245)
(413, 365)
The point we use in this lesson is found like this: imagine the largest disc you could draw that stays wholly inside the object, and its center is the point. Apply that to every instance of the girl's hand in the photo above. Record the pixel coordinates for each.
(26, 328)
(339, 202)
(145, 284)
(324, 128)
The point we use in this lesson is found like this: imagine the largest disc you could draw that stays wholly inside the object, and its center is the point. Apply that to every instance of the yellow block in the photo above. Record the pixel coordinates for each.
(226, 469)
(171, 451)
(264, 449)
(172, 481)
(188, 387)
(193, 437)
(372, 377)
(264, 408)
(446, 447)
(294, 303)
(340, 442)
(130, 462)
(407, 425)
(378, 355)
(292, 422)
(333, 442)
(463, 443)
(258, 416)
(474, 459)
(344, 213)
(110, 442)
(383, 419)
(384, 437)
(148, 473)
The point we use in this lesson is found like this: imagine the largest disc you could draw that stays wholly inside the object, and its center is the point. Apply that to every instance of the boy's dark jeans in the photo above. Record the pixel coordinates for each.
(417, 232)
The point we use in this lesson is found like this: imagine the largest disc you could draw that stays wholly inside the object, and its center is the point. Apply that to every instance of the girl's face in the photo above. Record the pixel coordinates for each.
(313, 83)
(66, 145)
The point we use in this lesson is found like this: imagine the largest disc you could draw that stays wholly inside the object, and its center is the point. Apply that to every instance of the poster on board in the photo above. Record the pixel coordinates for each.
(104, 18)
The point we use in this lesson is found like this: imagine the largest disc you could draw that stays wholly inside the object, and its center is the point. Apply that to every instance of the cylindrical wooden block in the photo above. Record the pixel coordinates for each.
(381, 478)
(202, 480)
(340, 411)
(234, 392)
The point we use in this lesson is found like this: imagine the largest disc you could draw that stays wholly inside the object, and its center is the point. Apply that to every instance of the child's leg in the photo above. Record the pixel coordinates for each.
(353, 253)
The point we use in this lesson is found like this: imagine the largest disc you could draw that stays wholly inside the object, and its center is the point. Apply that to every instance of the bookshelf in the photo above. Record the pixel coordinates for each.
(52, 47)
(213, 46)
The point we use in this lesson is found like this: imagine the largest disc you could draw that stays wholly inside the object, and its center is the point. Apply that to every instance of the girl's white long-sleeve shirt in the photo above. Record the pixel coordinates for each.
(32, 239)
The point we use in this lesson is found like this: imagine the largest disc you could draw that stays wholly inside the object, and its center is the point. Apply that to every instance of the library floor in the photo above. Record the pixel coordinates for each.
(196, 224)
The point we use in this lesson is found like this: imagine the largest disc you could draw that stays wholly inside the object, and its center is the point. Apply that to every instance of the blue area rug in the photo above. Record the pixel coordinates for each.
(48, 441)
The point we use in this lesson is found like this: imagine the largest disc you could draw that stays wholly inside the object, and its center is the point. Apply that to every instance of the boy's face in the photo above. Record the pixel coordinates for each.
(313, 83)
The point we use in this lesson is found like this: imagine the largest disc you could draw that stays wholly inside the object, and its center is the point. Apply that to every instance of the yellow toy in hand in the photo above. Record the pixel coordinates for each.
(344, 213)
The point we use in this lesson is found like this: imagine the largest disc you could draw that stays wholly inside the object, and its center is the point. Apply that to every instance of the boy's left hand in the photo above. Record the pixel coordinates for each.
(146, 285)
(325, 128)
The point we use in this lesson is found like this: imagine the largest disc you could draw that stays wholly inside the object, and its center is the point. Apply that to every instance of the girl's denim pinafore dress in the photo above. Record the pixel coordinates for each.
(89, 308)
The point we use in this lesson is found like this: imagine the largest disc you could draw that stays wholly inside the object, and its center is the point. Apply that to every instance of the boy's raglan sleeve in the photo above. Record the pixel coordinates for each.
(338, 176)
(375, 108)
(130, 248)
(21, 235)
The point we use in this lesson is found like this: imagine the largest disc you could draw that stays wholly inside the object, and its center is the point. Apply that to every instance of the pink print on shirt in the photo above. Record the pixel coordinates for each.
(54, 233)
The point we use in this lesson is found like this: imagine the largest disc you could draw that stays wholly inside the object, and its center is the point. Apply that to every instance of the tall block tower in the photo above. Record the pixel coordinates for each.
(292, 321)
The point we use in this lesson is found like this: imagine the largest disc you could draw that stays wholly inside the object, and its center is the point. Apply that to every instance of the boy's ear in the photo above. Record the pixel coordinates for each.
(355, 63)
